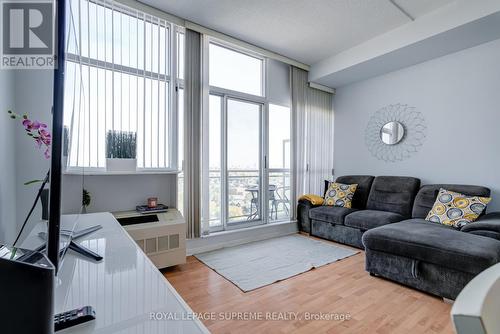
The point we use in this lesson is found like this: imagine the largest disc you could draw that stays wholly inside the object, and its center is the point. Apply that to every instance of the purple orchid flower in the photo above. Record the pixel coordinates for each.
(36, 130)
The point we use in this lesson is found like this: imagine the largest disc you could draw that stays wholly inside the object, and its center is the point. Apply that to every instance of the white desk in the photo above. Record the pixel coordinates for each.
(124, 288)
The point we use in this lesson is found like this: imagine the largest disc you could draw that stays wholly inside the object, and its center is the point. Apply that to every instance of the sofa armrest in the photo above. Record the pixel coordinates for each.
(489, 222)
(303, 219)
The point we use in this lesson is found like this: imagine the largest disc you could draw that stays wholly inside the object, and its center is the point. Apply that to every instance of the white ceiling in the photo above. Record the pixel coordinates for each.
(304, 30)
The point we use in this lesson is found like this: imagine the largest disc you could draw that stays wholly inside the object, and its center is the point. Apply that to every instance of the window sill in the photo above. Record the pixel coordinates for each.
(249, 228)
(104, 172)
(223, 239)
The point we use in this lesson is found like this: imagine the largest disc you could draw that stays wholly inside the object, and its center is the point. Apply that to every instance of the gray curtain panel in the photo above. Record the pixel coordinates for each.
(299, 101)
(319, 139)
(192, 132)
(313, 119)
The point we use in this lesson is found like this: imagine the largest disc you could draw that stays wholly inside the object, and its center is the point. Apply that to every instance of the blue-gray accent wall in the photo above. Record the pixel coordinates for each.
(459, 96)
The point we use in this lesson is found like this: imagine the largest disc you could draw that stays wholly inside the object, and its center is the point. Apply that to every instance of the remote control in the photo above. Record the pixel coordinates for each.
(73, 317)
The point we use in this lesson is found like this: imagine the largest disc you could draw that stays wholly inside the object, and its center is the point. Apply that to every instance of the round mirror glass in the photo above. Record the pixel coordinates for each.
(392, 133)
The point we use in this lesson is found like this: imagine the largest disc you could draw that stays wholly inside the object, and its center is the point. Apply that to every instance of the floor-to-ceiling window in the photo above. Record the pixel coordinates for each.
(120, 84)
(246, 141)
(279, 127)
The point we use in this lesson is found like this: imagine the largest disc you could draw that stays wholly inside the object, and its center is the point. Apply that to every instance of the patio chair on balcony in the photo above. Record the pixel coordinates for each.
(281, 198)
(255, 202)
(273, 201)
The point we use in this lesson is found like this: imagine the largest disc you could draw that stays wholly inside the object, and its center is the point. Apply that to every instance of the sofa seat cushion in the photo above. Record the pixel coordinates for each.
(331, 214)
(434, 243)
(368, 219)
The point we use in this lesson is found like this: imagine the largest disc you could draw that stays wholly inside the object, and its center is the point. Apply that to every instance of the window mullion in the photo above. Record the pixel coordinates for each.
(82, 88)
(151, 96)
(144, 98)
(97, 74)
(117, 68)
(174, 98)
(223, 164)
(158, 102)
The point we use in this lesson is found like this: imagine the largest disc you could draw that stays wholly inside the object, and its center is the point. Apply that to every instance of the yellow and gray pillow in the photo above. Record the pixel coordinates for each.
(456, 209)
(339, 194)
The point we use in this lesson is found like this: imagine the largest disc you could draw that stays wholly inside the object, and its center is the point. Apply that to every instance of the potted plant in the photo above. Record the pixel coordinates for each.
(121, 151)
(85, 200)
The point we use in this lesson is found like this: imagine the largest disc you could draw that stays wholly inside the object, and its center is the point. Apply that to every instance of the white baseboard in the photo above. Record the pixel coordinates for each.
(238, 237)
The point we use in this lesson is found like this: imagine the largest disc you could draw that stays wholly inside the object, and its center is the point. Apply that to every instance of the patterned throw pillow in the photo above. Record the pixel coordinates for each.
(339, 194)
(455, 209)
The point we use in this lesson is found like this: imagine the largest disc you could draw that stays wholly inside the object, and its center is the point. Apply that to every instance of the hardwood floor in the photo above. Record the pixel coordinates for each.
(374, 304)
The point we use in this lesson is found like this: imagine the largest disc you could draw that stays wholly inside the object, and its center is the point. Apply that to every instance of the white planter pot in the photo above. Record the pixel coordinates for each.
(121, 165)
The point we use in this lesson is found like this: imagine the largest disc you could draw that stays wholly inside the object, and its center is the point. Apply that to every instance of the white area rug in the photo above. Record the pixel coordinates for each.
(261, 263)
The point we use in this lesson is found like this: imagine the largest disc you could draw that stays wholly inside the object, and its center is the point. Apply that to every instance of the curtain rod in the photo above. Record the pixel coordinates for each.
(322, 87)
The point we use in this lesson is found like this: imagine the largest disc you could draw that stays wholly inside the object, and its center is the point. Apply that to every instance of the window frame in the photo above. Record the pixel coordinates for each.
(170, 78)
(225, 91)
(263, 100)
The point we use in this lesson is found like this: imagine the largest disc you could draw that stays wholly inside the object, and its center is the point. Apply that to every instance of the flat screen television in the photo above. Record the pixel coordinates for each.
(63, 217)
(53, 233)
(25, 215)
(65, 203)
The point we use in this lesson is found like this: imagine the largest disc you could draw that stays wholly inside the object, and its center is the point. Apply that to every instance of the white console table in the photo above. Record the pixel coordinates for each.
(124, 289)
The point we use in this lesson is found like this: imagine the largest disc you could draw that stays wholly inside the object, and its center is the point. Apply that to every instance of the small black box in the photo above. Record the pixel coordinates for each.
(27, 292)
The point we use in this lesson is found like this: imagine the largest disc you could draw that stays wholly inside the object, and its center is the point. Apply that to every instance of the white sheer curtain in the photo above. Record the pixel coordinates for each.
(313, 118)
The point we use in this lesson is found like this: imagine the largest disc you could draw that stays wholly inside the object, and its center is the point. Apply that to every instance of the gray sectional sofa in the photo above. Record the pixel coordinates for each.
(388, 220)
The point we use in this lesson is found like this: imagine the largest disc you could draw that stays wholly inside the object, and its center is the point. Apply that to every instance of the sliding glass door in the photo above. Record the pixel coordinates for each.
(243, 165)
(233, 176)
(247, 147)
(245, 140)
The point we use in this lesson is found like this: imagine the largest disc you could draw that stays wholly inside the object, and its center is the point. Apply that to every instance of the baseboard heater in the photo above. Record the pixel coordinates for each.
(161, 236)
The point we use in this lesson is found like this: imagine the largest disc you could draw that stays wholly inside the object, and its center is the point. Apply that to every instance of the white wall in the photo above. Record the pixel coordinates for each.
(278, 87)
(117, 192)
(33, 93)
(7, 160)
(459, 96)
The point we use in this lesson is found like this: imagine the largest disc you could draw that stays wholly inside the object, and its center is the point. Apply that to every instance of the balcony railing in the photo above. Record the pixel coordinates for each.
(243, 196)
(244, 193)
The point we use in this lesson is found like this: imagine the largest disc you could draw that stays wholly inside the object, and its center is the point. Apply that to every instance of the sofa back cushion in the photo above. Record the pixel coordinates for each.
(364, 183)
(393, 194)
(427, 196)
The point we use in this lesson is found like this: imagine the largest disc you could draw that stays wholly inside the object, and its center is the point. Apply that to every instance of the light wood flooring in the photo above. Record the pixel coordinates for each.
(374, 304)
